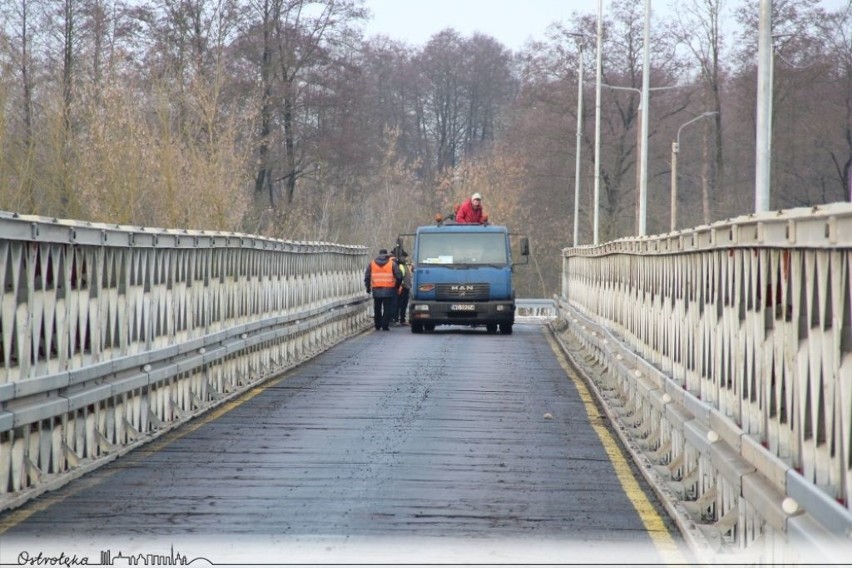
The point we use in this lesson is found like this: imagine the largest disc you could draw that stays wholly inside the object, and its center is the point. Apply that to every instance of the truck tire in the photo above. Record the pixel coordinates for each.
(506, 328)
(429, 327)
(416, 328)
(491, 328)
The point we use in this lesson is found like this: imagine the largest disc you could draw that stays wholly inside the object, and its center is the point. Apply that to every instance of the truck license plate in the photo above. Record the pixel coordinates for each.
(463, 307)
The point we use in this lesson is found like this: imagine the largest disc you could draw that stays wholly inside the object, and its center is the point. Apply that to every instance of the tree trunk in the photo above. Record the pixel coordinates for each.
(25, 76)
(263, 179)
(67, 93)
(289, 144)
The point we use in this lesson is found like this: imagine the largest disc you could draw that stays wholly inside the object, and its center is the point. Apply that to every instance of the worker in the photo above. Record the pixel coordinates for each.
(402, 298)
(382, 278)
(471, 211)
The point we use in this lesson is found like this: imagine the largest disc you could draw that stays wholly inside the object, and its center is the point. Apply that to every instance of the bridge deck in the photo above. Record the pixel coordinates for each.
(450, 437)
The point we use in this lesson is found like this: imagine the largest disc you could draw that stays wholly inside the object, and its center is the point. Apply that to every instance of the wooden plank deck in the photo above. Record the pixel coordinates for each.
(479, 445)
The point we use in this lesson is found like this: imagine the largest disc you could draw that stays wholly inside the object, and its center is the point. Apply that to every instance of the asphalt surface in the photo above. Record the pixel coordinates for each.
(479, 445)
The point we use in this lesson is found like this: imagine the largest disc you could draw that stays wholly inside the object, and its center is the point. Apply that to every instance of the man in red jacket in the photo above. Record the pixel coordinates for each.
(471, 211)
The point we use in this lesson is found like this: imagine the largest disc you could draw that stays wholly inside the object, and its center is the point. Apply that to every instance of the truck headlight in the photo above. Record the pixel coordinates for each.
(421, 307)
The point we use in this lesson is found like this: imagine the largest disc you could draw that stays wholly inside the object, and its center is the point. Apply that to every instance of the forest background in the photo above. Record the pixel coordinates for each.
(280, 118)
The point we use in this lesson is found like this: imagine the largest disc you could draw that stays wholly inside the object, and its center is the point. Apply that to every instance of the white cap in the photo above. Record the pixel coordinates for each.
(476, 196)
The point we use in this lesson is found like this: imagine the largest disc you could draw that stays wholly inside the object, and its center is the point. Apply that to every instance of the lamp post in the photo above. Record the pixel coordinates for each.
(579, 146)
(675, 150)
(579, 37)
(641, 144)
(599, 73)
(763, 159)
(643, 176)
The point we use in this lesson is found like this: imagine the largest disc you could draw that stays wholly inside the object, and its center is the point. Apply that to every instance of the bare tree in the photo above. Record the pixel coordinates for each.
(698, 26)
(835, 31)
(304, 41)
(623, 51)
(20, 142)
(442, 61)
(135, 110)
(490, 87)
(263, 178)
(298, 41)
(806, 100)
(61, 21)
(395, 90)
(469, 80)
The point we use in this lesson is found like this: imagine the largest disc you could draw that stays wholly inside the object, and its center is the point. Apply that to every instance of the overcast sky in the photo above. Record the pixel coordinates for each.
(415, 21)
(511, 22)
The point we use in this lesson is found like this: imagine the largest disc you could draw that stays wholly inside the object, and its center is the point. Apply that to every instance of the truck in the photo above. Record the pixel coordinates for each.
(462, 275)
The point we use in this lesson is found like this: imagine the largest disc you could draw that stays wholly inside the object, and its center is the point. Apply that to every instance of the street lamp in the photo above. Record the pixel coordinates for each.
(641, 143)
(599, 75)
(763, 158)
(643, 107)
(579, 37)
(643, 165)
(675, 150)
(638, 148)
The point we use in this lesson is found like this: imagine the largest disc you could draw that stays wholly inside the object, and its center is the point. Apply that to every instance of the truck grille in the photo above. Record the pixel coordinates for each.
(462, 291)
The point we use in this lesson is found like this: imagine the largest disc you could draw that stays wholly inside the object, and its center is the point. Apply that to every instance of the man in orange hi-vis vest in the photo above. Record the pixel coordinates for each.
(382, 278)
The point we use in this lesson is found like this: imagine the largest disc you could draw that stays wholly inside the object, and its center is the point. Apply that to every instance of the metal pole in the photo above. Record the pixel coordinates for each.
(579, 147)
(763, 158)
(598, 122)
(643, 180)
(675, 148)
(637, 215)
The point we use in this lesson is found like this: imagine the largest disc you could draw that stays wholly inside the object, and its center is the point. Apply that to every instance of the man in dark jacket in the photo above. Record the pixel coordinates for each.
(382, 278)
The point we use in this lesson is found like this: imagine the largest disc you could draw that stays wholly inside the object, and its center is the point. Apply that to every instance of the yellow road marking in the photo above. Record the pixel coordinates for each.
(652, 521)
(654, 524)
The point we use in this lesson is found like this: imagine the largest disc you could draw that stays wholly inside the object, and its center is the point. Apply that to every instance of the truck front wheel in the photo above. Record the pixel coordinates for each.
(416, 328)
(491, 327)
(506, 328)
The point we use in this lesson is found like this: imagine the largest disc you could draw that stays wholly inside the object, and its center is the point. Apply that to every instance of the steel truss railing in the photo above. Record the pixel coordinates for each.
(111, 335)
(725, 354)
(542, 308)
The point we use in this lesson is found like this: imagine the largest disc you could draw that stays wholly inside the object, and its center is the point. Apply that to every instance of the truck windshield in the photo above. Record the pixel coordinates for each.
(462, 248)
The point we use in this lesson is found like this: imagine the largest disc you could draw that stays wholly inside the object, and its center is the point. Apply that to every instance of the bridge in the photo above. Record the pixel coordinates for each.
(718, 357)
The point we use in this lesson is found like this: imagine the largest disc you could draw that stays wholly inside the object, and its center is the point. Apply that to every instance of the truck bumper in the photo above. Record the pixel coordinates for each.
(462, 313)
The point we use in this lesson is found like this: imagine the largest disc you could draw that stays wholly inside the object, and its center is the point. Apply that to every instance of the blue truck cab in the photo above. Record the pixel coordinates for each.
(462, 275)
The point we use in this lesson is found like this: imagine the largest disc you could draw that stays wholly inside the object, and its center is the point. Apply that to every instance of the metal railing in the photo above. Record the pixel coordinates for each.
(111, 335)
(541, 308)
(725, 353)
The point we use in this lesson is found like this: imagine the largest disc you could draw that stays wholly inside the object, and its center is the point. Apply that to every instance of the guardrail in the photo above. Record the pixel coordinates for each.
(536, 308)
(111, 335)
(725, 355)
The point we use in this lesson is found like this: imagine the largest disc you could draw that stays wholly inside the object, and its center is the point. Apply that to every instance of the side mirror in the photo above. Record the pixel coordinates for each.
(525, 246)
